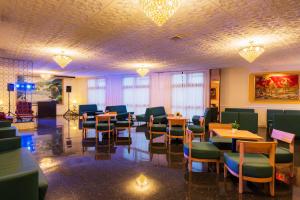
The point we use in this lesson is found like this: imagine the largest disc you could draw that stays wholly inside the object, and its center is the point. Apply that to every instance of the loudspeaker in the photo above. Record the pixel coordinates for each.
(69, 89)
(10, 87)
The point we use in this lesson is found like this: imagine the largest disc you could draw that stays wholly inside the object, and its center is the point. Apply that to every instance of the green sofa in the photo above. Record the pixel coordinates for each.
(121, 111)
(271, 113)
(90, 109)
(159, 114)
(239, 110)
(287, 122)
(6, 130)
(20, 175)
(247, 120)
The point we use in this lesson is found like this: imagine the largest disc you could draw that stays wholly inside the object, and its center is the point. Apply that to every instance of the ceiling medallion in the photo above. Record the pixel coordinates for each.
(160, 11)
(62, 60)
(142, 71)
(251, 52)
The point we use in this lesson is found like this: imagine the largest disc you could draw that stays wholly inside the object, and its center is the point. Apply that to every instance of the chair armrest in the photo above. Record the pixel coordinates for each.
(8, 144)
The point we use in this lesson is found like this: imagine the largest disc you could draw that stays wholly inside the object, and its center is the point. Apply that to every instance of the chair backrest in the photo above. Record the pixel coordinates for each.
(283, 136)
(103, 118)
(251, 110)
(177, 122)
(87, 108)
(229, 117)
(212, 126)
(268, 148)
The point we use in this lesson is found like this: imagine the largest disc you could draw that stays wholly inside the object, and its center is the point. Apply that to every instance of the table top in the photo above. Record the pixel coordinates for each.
(177, 117)
(239, 134)
(108, 114)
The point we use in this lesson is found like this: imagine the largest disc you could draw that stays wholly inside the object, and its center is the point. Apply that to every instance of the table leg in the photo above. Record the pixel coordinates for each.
(233, 148)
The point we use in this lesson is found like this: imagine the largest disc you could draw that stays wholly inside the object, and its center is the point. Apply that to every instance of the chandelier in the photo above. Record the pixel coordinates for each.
(251, 52)
(142, 71)
(62, 60)
(46, 77)
(160, 10)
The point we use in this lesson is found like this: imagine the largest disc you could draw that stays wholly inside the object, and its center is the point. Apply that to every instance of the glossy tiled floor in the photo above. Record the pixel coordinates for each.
(77, 170)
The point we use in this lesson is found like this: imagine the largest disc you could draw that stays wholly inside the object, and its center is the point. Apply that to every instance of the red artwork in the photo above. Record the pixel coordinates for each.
(277, 87)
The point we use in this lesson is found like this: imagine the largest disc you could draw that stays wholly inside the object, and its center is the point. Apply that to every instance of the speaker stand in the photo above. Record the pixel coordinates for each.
(9, 112)
(69, 113)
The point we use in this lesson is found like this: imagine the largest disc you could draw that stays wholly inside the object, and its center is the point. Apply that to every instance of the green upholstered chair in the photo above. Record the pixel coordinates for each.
(121, 111)
(104, 125)
(157, 129)
(159, 114)
(124, 124)
(292, 112)
(229, 117)
(198, 130)
(90, 109)
(220, 142)
(176, 128)
(270, 118)
(210, 115)
(20, 175)
(288, 123)
(251, 164)
(284, 157)
(86, 125)
(248, 110)
(200, 152)
(248, 121)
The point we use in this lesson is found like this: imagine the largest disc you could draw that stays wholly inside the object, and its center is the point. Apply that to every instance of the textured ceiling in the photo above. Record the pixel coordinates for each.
(111, 36)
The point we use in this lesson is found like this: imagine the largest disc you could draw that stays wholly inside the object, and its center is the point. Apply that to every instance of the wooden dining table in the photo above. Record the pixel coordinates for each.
(237, 135)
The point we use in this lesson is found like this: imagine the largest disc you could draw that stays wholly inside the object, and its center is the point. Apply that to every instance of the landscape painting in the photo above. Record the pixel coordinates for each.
(49, 90)
(277, 87)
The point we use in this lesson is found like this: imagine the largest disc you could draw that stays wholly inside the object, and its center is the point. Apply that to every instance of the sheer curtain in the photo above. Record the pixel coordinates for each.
(96, 92)
(188, 96)
(136, 94)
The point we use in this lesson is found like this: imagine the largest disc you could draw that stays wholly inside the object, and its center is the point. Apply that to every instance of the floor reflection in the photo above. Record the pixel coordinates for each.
(88, 169)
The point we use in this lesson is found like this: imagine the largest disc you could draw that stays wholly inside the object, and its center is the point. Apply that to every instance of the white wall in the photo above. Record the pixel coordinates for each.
(235, 91)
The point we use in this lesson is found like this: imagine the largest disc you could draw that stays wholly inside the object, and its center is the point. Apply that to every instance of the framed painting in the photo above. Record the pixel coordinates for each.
(213, 93)
(274, 87)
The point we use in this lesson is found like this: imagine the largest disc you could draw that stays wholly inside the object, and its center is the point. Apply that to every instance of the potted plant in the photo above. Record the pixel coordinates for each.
(235, 127)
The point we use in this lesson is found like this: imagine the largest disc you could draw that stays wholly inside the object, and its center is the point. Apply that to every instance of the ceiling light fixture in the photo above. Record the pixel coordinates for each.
(142, 71)
(62, 60)
(251, 52)
(46, 77)
(160, 10)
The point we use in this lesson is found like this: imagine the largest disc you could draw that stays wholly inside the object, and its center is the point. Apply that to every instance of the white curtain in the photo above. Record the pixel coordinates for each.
(188, 96)
(97, 92)
(114, 90)
(136, 94)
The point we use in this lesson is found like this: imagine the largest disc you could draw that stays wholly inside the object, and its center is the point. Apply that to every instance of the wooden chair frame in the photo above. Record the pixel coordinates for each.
(180, 122)
(288, 138)
(155, 132)
(254, 147)
(84, 130)
(190, 159)
(212, 126)
(103, 118)
(122, 128)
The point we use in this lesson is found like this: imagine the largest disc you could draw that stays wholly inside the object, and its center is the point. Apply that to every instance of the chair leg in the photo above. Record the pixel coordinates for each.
(190, 164)
(240, 185)
(225, 171)
(272, 187)
(218, 167)
(292, 170)
(150, 135)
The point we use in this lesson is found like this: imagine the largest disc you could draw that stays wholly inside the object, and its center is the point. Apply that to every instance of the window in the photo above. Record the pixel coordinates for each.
(188, 94)
(136, 94)
(96, 92)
